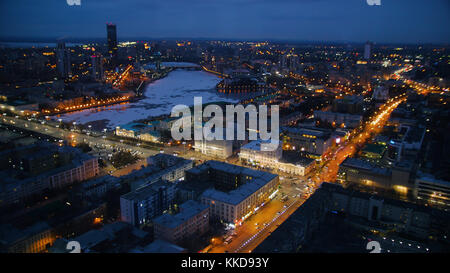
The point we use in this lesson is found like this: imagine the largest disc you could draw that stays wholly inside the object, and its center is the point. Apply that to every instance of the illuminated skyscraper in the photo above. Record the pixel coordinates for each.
(63, 60)
(112, 41)
(97, 66)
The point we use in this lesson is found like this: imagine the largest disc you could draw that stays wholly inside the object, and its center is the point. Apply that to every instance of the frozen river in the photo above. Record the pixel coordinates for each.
(179, 87)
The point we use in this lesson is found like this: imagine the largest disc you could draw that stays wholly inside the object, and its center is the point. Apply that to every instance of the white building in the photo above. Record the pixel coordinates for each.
(255, 152)
(191, 221)
(215, 148)
(286, 161)
(235, 206)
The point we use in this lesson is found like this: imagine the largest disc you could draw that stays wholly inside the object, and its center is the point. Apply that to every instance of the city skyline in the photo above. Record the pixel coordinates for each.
(352, 21)
(225, 126)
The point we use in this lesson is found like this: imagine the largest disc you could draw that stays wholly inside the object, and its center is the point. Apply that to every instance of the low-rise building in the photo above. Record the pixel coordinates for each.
(159, 246)
(310, 140)
(340, 119)
(255, 152)
(30, 170)
(139, 131)
(286, 161)
(117, 237)
(140, 206)
(160, 166)
(432, 190)
(33, 239)
(293, 163)
(234, 206)
(191, 221)
(361, 172)
(97, 187)
(214, 148)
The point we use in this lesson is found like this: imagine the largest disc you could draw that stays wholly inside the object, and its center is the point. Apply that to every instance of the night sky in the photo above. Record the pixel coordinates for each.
(395, 21)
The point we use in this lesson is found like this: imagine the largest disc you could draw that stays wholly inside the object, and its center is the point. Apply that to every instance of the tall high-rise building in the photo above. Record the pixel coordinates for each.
(367, 50)
(97, 66)
(63, 60)
(112, 41)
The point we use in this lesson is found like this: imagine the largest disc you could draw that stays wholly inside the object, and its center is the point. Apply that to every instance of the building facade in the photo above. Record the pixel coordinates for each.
(140, 206)
(191, 221)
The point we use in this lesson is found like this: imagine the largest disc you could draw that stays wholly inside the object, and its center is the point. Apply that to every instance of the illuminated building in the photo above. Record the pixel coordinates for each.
(139, 131)
(254, 188)
(214, 148)
(241, 85)
(190, 222)
(140, 206)
(432, 190)
(97, 71)
(63, 61)
(293, 163)
(340, 119)
(381, 93)
(33, 239)
(287, 161)
(366, 174)
(309, 140)
(112, 41)
(364, 211)
(348, 104)
(290, 62)
(373, 152)
(254, 152)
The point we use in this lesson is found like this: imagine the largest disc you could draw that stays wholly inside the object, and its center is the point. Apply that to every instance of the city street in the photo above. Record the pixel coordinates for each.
(292, 193)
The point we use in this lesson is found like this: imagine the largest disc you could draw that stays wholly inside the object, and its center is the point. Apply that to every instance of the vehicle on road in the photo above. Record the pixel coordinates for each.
(228, 240)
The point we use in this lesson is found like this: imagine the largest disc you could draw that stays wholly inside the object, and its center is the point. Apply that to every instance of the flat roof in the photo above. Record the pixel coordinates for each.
(256, 145)
(146, 190)
(238, 195)
(134, 126)
(374, 148)
(295, 158)
(364, 165)
(159, 246)
(187, 210)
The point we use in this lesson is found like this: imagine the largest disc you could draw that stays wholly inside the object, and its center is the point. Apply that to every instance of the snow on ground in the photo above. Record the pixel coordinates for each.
(179, 87)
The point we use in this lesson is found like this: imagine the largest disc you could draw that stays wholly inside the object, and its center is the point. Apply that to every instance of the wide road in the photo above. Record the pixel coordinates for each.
(356, 140)
(73, 137)
(260, 225)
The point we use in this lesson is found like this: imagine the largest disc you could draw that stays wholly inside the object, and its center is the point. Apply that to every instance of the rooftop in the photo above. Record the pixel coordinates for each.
(147, 190)
(159, 246)
(256, 145)
(134, 126)
(241, 193)
(364, 165)
(187, 210)
(295, 158)
(374, 149)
